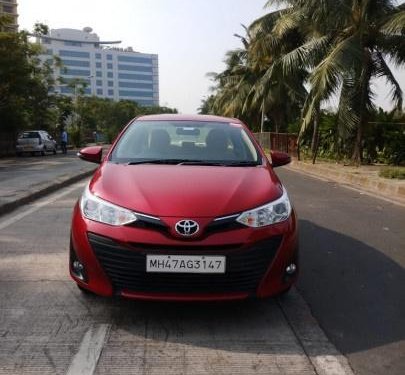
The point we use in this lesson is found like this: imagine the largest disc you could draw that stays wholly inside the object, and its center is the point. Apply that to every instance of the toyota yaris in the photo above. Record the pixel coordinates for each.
(184, 208)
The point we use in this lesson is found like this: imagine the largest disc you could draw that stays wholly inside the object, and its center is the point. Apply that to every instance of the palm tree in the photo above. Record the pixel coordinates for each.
(240, 92)
(352, 39)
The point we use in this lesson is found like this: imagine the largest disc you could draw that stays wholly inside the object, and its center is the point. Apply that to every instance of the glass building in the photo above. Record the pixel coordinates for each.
(105, 70)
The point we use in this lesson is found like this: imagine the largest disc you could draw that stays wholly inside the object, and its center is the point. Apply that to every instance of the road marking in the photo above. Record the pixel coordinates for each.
(324, 356)
(85, 360)
(35, 207)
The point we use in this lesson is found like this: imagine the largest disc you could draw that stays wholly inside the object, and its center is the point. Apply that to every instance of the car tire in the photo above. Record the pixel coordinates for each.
(19, 154)
(54, 151)
(33, 153)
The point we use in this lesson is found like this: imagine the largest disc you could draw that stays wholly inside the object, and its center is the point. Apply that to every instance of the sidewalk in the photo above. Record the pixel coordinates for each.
(364, 178)
(25, 179)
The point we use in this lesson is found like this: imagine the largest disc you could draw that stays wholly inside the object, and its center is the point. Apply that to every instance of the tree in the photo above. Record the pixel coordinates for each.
(353, 39)
(251, 87)
(24, 85)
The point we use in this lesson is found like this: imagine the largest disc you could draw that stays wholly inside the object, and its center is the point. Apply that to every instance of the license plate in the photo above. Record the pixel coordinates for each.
(185, 264)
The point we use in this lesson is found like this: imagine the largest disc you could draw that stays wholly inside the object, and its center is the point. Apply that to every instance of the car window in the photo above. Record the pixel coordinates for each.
(188, 140)
(30, 135)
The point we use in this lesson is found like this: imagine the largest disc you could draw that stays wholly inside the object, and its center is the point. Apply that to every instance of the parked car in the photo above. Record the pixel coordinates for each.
(35, 141)
(184, 208)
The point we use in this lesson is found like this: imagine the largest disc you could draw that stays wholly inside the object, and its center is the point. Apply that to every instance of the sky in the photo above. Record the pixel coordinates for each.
(191, 37)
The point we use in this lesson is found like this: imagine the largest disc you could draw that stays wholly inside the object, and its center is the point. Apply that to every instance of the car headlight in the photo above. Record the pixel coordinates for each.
(271, 213)
(97, 209)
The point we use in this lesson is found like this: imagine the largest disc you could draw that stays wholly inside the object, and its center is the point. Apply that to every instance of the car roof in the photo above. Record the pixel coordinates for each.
(180, 117)
(34, 131)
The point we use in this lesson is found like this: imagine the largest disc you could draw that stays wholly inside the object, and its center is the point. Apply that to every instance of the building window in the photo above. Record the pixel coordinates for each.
(142, 94)
(98, 55)
(98, 64)
(111, 92)
(84, 64)
(48, 52)
(65, 53)
(134, 59)
(135, 68)
(136, 85)
(71, 43)
(98, 73)
(110, 74)
(99, 82)
(109, 66)
(76, 72)
(133, 77)
(110, 83)
(46, 41)
(99, 91)
(8, 9)
(109, 57)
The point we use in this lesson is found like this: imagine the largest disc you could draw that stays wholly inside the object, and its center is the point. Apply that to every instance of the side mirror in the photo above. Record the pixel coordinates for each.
(279, 158)
(91, 154)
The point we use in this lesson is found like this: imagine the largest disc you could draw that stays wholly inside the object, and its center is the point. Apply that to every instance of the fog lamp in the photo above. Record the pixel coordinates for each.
(291, 269)
(78, 270)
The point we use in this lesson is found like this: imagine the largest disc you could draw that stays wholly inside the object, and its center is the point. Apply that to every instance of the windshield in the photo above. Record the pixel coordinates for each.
(29, 135)
(185, 142)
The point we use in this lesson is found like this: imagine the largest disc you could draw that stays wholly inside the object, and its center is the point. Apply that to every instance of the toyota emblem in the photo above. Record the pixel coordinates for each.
(187, 227)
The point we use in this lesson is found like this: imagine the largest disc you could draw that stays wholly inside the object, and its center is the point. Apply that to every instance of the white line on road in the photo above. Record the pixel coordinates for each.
(54, 197)
(324, 356)
(85, 360)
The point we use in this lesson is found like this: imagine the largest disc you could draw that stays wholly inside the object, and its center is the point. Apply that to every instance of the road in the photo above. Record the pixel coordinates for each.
(351, 276)
(352, 270)
(47, 326)
(22, 177)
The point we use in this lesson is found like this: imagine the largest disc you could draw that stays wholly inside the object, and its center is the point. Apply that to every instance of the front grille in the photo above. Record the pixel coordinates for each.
(126, 267)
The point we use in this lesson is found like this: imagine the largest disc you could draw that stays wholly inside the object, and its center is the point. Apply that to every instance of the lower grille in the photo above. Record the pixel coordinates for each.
(126, 268)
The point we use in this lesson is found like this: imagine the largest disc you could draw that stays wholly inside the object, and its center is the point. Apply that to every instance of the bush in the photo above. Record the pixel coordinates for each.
(391, 172)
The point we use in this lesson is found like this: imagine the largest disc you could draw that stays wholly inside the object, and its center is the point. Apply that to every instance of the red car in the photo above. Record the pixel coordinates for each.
(184, 208)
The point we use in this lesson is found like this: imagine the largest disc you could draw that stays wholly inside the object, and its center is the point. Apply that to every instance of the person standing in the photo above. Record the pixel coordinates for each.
(64, 139)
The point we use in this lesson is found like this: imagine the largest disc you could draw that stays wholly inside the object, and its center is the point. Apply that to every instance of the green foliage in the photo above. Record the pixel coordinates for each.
(24, 86)
(336, 49)
(107, 117)
(391, 172)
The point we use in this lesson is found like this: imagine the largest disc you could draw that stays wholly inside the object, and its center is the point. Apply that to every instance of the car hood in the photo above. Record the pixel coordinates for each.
(185, 190)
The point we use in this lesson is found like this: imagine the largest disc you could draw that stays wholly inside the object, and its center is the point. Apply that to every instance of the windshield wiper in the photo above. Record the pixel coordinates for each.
(195, 162)
(243, 163)
(156, 161)
(221, 163)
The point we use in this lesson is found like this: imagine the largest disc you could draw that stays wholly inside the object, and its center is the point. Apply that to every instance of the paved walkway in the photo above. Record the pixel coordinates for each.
(365, 177)
(27, 178)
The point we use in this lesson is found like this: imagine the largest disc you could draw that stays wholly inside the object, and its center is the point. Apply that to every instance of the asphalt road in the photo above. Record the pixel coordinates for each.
(352, 270)
(352, 276)
(47, 326)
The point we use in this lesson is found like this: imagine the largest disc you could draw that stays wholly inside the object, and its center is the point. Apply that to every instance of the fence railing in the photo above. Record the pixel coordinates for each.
(285, 142)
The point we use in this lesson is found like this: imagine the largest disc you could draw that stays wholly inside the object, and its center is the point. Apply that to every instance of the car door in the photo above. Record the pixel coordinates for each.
(47, 141)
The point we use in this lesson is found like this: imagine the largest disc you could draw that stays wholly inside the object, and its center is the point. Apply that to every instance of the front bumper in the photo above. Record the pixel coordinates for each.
(114, 261)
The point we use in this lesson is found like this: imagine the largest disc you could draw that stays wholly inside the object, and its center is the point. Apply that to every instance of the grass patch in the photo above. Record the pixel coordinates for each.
(393, 172)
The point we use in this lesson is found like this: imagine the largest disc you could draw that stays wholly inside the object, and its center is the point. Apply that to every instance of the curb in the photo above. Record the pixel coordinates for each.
(33, 195)
(321, 352)
(389, 190)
